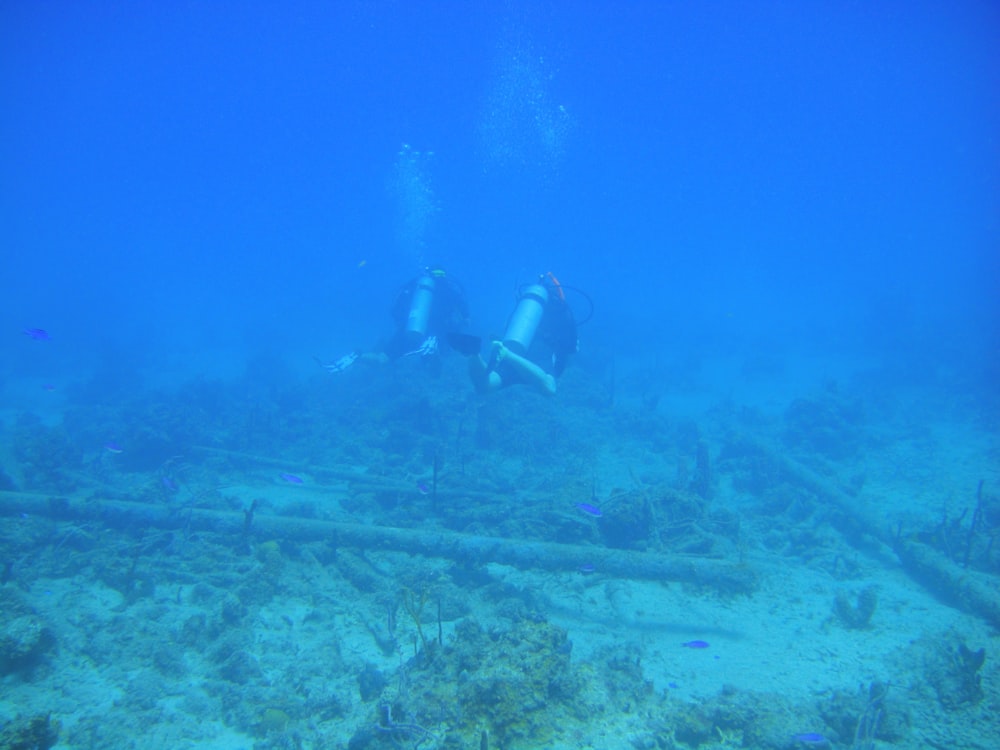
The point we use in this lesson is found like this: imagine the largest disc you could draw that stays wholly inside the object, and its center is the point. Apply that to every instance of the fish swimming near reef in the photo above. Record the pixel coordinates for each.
(811, 738)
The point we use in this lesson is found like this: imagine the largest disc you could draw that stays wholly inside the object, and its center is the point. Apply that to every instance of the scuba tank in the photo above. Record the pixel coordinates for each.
(420, 306)
(524, 321)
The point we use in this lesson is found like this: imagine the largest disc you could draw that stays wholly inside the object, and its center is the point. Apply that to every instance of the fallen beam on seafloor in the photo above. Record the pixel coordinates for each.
(969, 590)
(726, 577)
(972, 591)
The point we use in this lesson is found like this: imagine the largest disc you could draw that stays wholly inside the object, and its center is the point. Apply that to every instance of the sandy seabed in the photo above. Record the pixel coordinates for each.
(121, 632)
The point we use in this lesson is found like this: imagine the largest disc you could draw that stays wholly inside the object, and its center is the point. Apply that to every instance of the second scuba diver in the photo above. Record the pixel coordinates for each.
(429, 306)
(541, 335)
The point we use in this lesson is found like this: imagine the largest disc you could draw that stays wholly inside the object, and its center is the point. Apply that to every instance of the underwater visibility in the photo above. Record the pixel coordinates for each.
(499, 376)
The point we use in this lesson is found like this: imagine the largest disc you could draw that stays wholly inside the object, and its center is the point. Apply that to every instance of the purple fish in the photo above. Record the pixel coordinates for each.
(811, 738)
(291, 478)
(38, 334)
(112, 447)
(423, 489)
(590, 510)
(695, 644)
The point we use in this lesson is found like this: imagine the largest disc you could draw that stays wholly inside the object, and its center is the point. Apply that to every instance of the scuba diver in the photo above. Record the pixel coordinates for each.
(428, 306)
(541, 335)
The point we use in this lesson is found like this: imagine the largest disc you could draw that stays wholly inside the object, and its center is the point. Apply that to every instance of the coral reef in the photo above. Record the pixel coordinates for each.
(24, 637)
(862, 716)
(512, 684)
(32, 733)
(45, 458)
(856, 616)
(829, 425)
(205, 622)
(953, 672)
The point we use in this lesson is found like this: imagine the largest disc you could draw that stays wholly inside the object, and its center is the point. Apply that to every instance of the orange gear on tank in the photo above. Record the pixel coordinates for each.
(557, 286)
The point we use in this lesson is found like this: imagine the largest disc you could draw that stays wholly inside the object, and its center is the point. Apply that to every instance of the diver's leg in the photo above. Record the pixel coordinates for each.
(479, 374)
(542, 380)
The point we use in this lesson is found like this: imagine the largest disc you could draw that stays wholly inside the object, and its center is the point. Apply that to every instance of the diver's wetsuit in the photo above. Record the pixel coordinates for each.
(553, 343)
(449, 313)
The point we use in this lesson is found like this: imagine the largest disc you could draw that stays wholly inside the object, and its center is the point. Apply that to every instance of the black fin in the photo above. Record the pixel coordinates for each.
(465, 344)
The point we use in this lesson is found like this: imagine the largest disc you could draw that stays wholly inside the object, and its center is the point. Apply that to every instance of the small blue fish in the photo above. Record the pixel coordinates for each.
(811, 738)
(695, 644)
(590, 510)
(587, 568)
(168, 484)
(291, 478)
(423, 489)
(37, 334)
(113, 447)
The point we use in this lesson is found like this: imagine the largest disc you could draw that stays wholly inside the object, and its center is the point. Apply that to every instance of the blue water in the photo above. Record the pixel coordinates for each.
(183, 180)
(751, 203)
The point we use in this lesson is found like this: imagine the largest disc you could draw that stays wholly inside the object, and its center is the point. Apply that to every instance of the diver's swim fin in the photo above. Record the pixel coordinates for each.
(465, 344)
